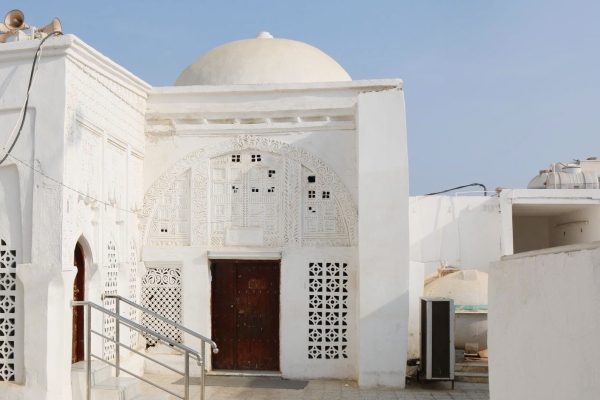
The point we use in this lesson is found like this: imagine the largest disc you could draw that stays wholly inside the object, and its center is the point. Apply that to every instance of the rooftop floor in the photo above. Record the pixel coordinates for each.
(327, 390)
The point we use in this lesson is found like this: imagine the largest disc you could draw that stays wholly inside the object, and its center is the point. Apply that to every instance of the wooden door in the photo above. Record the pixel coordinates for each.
(245, 314)
(78, 351)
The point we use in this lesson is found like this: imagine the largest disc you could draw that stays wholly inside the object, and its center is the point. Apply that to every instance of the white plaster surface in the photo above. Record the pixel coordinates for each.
(383, 249)
(463, 231)
(543, 324)
(415, 292)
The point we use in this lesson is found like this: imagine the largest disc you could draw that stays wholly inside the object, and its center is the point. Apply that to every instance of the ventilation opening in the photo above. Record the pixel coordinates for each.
(542, 226)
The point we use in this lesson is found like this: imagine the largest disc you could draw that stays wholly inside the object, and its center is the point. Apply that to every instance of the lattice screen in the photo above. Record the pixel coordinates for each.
(133, 284)
(328, 310)
(8, 299)
(110, 287)
(161, 293)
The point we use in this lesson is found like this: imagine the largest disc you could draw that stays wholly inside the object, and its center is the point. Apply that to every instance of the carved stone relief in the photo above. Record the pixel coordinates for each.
(215, 204)
(171, 224)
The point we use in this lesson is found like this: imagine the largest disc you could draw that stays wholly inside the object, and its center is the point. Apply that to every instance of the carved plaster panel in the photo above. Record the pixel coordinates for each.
(287, 201)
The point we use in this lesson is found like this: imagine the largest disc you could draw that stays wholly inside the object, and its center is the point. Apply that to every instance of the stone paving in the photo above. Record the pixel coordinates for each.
(328, 390)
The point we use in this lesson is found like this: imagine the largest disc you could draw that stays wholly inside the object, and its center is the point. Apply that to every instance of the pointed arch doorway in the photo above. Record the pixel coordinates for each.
(78, 349)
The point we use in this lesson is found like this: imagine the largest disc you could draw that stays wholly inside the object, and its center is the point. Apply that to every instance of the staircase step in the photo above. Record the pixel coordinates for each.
(471, 377)
(151, 396)
(471, 367)
(100, 371)
(116, 388)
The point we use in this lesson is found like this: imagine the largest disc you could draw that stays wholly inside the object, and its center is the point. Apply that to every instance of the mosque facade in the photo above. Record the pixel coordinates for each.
(262, 201)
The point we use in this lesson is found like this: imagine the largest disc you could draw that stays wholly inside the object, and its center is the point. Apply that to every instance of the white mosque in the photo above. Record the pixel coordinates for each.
(259, 206)
(261, 202)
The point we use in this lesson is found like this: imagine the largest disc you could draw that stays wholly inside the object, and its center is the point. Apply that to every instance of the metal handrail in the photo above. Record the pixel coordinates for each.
(164, 319)
(186, 351)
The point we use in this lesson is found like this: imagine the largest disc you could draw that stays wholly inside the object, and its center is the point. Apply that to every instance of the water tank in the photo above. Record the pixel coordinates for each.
(567, 180)
(539, 181)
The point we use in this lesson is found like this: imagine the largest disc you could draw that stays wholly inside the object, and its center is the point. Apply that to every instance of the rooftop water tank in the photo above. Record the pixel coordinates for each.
(572, 180)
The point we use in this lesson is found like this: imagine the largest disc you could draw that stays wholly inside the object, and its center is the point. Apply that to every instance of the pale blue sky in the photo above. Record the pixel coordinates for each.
(495, 90)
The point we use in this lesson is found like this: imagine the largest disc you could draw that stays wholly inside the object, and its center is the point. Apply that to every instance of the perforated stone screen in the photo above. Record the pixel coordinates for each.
(8, 299)
(161, 293)
(328, 310)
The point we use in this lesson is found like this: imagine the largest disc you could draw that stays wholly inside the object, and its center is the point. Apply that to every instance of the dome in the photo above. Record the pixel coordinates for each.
(261, 60)
(468, 288)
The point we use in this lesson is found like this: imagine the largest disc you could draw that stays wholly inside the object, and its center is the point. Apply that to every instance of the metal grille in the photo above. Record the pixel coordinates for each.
(8, 298)
(161, 293)
(328, 310)
(110, 287)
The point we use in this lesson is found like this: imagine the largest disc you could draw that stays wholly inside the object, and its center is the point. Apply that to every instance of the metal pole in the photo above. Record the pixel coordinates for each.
(202, 369)
(88, 356)
(186, 377)
(117, 331)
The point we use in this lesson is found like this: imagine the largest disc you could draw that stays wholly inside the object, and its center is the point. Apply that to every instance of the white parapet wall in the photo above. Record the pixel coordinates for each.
(383, 239)
(544, 315)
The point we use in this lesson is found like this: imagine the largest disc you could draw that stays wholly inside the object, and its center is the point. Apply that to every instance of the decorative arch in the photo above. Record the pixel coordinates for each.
(198, 164)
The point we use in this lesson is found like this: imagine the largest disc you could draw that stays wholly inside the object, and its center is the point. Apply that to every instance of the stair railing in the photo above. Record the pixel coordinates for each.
(120, 320)
(204, 340)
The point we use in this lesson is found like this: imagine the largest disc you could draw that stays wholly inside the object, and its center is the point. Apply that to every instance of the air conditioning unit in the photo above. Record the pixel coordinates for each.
(437, 339)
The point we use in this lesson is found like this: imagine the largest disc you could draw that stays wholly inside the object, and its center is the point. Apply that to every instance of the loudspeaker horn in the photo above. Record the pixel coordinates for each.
(54, 26)
(5, 33)
(15, 20)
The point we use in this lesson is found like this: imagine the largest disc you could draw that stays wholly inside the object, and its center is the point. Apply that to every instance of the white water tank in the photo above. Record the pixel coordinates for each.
(539, 181)
(572, 180)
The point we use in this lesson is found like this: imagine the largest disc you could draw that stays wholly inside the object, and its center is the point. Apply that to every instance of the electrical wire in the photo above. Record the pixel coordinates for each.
(123, 209)
(460, 187)
(22, 116)
(23, 113)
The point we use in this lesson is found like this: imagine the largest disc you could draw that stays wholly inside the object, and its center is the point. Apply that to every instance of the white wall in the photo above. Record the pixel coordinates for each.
(581, 226)
(294, 326)
(464, 231)
(383, 239)
(417, 277)
(530, 233)
(543, 324)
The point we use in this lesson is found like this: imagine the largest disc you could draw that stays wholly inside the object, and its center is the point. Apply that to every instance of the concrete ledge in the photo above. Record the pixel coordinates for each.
(553, 250)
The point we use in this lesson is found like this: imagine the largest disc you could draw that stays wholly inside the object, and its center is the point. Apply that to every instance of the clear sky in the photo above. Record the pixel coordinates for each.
(495, 90)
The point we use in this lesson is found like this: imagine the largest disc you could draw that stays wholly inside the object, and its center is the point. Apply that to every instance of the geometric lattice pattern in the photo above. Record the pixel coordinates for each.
(161, 293)
(246, 192)
(322, 217)
(110, 287)
(172, 225)
(327, 310)
(8, 297)
(133, 286)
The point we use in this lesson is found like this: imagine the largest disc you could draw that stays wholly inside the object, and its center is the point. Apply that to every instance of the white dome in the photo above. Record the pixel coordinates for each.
(262, 60)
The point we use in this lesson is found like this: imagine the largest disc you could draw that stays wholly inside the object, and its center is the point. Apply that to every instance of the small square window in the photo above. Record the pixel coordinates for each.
(271, 173)
(236, 158)
(254, 190)
(311, 194)
(312, 179)
(312, 210)
(235, 189)
(255, 158)
(271, 189)
(325, 195)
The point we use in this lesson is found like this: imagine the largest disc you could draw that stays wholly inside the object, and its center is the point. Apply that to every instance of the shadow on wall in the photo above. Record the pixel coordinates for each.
(10, 208)
(384, 334)
(464, 231)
